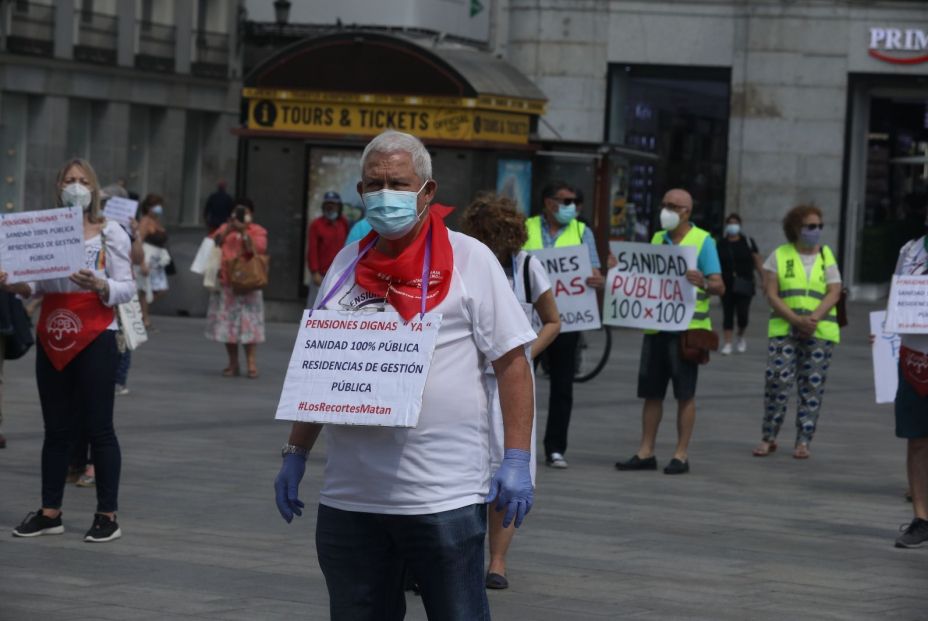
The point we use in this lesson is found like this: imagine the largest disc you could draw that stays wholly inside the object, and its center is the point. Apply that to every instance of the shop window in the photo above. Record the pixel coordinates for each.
(896, 183)
(680, 114)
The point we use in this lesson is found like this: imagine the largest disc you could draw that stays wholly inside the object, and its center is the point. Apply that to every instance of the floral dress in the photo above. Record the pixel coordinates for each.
(232, 317)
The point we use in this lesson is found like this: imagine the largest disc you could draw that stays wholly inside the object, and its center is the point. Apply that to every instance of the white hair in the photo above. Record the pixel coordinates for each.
(392, 141)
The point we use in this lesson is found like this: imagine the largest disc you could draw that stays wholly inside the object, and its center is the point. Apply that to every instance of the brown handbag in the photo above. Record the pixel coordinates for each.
(247, 274)
(695, 345)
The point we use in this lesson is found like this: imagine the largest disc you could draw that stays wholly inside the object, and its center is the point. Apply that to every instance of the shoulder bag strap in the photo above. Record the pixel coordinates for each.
(526, 279)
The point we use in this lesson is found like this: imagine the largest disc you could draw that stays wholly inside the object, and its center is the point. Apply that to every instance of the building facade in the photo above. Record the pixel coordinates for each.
(754, 106)
(147, 90)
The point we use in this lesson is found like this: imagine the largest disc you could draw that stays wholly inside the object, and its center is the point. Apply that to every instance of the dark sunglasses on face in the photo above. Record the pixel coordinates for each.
(564, 201)
(812, 227)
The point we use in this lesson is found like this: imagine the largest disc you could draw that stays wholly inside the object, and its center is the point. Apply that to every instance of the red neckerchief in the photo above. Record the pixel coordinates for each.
(914, 365)
(399, 279)
(70, 322)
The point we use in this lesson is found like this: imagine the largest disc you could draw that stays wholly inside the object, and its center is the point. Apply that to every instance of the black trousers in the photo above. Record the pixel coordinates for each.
(562, 362)
(734, 304)
(78, 400)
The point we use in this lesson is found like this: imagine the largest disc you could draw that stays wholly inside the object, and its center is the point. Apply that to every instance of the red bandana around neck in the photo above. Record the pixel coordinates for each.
(399, 279)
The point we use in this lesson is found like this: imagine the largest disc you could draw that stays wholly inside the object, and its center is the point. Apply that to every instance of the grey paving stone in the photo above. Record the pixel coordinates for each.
(739, 538)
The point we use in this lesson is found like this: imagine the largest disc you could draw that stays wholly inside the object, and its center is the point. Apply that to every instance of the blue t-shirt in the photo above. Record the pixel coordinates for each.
(708, 260)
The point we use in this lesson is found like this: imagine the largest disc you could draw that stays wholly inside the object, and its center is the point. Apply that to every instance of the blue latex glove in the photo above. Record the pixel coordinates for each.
(511, 487)
(287, 486)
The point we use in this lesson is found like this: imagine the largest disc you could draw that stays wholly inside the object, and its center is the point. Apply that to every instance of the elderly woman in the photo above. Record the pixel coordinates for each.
(238, 318)
(497, 223)
(75, 369)
(803, 285)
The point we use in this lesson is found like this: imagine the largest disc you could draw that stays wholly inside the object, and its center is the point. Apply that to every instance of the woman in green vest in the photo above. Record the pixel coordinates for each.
(803, 285)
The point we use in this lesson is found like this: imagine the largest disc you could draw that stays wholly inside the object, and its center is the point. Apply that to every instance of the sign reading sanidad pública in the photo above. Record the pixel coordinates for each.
(568, 268)
(41, 245)
(648, 288)
(355, 368)
(907, 311)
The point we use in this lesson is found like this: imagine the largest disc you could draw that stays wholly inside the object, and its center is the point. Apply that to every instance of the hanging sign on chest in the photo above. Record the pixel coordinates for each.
(359, 368)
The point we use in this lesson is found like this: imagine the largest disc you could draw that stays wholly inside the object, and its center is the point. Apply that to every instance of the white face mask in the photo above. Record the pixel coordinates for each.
(76, 195)
(670, 219)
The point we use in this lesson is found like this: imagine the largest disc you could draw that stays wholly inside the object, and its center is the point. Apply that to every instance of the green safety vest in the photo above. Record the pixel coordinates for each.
(803, 295)
(696, 238)
(571, 235)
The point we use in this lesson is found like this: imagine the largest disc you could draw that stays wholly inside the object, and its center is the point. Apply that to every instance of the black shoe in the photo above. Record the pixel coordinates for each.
(636, 463)
(497, 581)
(103, 529)
(677, 467)
(915, 535)
(36, 524)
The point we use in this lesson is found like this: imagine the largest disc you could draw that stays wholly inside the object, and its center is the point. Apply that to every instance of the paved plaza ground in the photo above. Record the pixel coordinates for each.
(738, 538)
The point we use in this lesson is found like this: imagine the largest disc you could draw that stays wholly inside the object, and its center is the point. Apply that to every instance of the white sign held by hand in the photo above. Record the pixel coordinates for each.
(354, 368)
(568, 268)
(648, 287)
(120, 209)
(885, 358)
(41, 245)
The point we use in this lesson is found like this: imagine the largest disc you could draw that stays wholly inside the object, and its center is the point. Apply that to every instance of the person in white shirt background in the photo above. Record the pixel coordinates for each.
(496, 222)
(396, 499)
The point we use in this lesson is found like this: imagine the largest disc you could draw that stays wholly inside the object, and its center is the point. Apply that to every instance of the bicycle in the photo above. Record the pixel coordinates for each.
(593, 349)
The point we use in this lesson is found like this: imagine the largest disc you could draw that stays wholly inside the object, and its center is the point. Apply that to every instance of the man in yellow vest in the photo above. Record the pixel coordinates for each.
(558, 227)
(661, 361)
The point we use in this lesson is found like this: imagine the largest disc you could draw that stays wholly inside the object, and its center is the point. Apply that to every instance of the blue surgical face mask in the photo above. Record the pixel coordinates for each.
(810, 238)
(392, 213)
(157, 210)
(733, 229)
(565, 213)
(331, 215)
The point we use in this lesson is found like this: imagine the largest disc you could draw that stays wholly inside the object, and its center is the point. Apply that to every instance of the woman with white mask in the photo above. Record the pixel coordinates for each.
(739, 257)
(77, 356)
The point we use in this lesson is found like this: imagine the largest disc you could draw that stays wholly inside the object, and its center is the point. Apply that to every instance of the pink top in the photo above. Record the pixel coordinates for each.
(232, 244)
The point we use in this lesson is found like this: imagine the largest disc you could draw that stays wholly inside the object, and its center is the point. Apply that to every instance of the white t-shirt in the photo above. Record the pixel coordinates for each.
(538, 278)
(913, 261)
(117, 270)
(444, 463)
(832, 273)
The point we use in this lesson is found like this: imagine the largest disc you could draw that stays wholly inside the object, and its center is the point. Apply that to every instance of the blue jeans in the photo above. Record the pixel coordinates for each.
(122, 369)
(364, 557)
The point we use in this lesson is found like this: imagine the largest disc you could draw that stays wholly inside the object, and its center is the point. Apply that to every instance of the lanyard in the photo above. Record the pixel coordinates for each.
(343, 278)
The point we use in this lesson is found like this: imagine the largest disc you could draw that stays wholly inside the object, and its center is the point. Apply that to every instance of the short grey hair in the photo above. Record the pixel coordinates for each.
(392, 141)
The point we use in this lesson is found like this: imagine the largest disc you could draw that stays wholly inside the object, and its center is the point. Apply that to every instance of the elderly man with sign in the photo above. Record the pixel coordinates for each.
(664, 355)
(558, 227)
(414, 498)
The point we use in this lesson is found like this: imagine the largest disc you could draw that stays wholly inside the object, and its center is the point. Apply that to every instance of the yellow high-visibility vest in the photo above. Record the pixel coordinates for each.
(696, 237)
(802, 293)
(572, 235)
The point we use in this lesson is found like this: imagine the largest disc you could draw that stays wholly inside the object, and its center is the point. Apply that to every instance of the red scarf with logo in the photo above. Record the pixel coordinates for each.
(914, 365)
(70, 322)
(399, 279)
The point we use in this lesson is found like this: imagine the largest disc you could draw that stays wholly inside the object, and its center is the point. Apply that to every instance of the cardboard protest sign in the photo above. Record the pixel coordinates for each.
(41, 245)
(568, 268)
(885, 353)
(648, 287)
(358, 368)
(907, 311)
(120, 209)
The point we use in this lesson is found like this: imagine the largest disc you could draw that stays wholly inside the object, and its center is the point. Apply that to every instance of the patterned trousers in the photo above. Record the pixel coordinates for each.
(792, 360)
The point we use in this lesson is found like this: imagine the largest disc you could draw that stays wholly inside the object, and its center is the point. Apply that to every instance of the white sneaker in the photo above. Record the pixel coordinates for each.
(556, 460)
(726, 349)
(742, 346)
(121, 390)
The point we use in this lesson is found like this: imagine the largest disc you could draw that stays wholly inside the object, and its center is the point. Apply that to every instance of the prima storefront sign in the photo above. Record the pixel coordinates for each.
(900, 46)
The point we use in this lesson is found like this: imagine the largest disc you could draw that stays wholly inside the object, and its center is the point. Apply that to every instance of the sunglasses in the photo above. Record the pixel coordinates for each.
(564, 201)
(812, 227)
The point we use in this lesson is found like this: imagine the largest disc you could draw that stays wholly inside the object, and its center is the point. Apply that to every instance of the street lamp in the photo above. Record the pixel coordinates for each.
(282, 12)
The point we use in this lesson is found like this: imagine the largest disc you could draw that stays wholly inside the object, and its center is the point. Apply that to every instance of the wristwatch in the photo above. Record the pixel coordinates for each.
(293, 449)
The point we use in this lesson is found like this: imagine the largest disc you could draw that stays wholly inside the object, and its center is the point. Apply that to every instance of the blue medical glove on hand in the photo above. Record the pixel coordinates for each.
(511, 487)
(287, 486)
